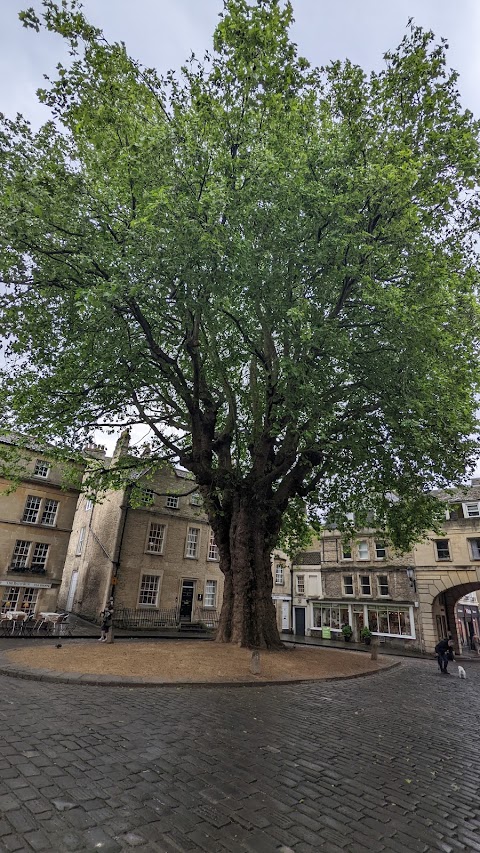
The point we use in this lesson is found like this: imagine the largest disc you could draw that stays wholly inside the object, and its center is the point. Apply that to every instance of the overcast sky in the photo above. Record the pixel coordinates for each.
(162, 33)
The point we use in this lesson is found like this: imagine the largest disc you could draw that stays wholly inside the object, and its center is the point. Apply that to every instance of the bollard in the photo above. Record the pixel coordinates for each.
(255, 663)
(374, 654)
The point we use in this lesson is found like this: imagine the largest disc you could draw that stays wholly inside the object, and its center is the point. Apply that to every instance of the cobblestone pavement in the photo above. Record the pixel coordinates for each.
(384, 763)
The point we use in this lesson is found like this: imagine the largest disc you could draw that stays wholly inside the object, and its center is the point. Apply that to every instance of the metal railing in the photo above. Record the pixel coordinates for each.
(129, 617)
(208, 618)
(34, 569)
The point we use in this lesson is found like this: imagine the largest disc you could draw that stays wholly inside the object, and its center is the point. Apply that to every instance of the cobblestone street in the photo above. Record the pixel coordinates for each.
(388, 762)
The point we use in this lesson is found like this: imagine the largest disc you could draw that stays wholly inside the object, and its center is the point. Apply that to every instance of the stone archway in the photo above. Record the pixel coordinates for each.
(438, 592)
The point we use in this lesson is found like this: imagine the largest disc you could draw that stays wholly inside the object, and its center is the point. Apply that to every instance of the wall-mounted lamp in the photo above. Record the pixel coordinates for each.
(411, 577)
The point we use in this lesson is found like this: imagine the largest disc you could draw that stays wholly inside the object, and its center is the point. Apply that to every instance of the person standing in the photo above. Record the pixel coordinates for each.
(444, 652)
(106, 625)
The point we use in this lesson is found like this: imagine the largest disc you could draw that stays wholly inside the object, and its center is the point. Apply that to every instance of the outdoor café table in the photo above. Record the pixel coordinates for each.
(52, 618)
(16, 616)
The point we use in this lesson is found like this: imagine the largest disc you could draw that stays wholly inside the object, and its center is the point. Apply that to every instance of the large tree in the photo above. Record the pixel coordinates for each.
(273, 266)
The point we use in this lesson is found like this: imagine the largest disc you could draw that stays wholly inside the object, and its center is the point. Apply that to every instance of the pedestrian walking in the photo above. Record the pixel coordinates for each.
(444, 652)
(106, 625)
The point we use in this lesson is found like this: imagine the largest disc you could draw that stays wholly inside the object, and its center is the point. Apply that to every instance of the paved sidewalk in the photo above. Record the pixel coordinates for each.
(365, 766)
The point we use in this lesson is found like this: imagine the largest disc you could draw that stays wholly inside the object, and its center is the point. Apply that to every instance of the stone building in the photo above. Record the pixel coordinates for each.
(35, 525)
(447, 565)
(362, 583)
(150, 545)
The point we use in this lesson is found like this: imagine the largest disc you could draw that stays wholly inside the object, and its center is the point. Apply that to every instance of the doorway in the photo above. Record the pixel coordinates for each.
(71, 591)
(186, 601)
(299, 615)
(285, 615)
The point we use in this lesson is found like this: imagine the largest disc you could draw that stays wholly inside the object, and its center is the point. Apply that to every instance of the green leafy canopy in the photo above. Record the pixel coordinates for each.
(271, 265)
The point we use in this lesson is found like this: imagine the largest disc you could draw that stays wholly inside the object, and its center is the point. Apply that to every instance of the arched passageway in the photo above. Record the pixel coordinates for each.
(438, 598)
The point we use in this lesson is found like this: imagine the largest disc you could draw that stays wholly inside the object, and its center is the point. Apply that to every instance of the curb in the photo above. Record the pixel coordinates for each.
(131, 681)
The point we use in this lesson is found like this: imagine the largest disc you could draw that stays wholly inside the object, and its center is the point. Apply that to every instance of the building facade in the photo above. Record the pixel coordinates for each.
(36, 520)
(447, 566)
(153, 547)
(361, 583)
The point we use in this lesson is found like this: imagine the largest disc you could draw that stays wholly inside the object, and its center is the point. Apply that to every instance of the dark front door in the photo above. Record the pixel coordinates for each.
(186, 602)
(300, 621)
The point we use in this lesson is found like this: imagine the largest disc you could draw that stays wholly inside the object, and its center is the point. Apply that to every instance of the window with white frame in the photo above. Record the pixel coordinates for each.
(471, 509)
(212, 553)
(382, 583)
(32, 509)
(88, 504)
(347, 581)
(365, 585)
(362, 549)
(172, 501)
(389, 619)
(80, 541)
(20, 598)
(156, 538)
(380, 550)
(20, 553)
(210, 599)
(193, 542)
(346, 551)
(41, 469)
(50, 509)
(442, 549)
(148, 594)
(146, 497)
(40, 554)
(300, 581)
(279, 577)
(474, 548)
(196, 499)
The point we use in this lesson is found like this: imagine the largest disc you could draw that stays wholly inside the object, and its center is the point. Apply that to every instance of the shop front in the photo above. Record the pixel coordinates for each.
(387, 622)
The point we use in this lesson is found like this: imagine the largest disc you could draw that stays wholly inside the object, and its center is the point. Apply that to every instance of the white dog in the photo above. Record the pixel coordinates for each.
(461, 672)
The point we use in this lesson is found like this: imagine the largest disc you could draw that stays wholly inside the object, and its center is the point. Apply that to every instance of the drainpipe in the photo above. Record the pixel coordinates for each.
(116, 562)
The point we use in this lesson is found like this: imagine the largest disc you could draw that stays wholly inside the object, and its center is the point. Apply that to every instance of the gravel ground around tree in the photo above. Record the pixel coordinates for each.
(190, 661)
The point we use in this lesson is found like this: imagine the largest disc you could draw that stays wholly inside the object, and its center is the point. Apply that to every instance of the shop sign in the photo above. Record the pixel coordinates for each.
(30, 584)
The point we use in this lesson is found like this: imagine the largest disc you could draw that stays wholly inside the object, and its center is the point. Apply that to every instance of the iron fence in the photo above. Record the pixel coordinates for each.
(208, 618)
(130, 617)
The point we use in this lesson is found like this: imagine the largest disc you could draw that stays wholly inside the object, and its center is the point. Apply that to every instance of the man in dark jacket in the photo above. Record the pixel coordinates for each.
(444, 652)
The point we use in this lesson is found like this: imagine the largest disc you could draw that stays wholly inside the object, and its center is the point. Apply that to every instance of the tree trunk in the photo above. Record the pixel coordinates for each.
(248, 615)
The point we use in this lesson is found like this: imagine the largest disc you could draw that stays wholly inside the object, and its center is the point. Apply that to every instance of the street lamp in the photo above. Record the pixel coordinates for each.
(411, 577)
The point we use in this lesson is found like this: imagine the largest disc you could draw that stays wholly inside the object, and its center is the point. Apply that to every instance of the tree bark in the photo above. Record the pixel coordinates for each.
(248, 615)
